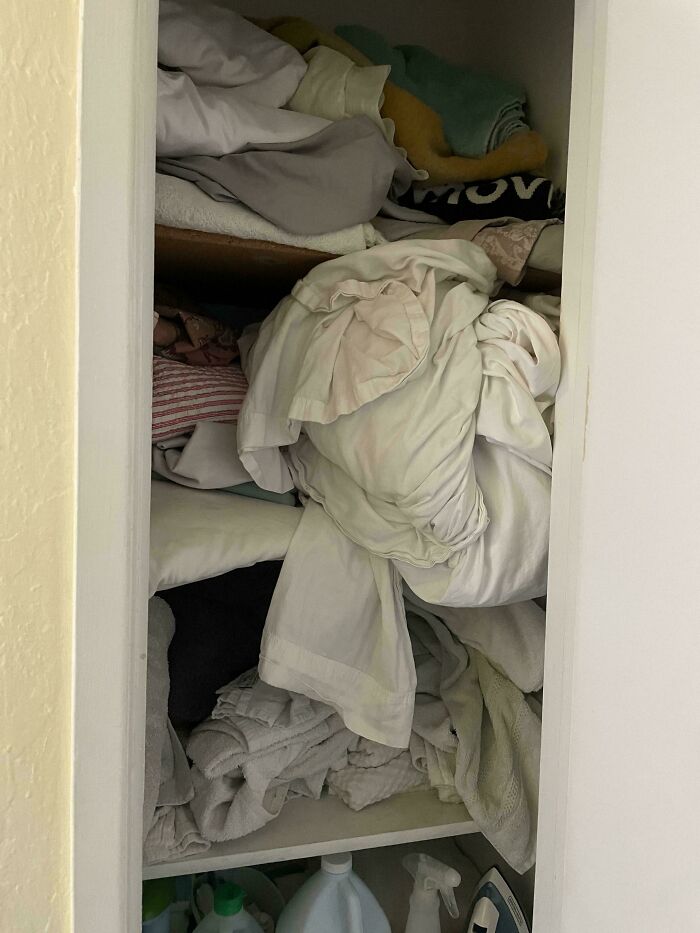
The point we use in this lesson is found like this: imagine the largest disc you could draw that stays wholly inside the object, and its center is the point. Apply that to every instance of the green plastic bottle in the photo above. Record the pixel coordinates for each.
(229, 914)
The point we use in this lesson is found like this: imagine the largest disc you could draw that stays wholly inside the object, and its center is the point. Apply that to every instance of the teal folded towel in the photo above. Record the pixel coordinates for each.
(478, 112)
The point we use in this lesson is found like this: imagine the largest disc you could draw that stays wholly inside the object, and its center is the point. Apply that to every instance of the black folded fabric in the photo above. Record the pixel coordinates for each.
(525, 197)
(218, 628)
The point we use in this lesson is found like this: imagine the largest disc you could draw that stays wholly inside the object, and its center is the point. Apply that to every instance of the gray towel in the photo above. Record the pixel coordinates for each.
(232, 805)
(338, 177)
(168, 826)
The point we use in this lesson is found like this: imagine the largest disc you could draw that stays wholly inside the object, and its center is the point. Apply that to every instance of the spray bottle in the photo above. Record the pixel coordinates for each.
(430, 876)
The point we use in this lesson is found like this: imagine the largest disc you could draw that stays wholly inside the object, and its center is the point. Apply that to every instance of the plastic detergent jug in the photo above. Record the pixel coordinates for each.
(229, 914)
(334, 899)
(430, 877)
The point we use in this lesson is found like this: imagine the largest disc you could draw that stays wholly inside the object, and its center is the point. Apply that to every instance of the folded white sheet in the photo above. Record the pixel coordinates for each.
(182, 204)
(197, 534)
(207, 459)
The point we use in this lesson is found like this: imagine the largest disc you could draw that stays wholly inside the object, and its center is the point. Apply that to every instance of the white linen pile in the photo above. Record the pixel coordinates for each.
(260, 746)
(475, 737)
(222, 124)
(414, 415)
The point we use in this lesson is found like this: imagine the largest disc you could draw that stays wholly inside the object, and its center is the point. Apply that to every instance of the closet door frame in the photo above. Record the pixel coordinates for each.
(117, 93)
(115, 232)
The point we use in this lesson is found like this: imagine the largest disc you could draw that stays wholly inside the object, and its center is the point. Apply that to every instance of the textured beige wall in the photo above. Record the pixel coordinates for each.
(38, 63)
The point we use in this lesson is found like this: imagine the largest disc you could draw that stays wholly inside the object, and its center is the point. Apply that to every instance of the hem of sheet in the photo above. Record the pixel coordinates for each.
(289, 667)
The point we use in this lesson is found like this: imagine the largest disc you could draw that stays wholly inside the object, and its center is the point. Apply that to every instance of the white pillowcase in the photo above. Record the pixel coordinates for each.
(197, 534)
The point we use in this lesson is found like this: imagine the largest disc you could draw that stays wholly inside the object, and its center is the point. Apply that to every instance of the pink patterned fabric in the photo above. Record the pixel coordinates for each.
(184, 395)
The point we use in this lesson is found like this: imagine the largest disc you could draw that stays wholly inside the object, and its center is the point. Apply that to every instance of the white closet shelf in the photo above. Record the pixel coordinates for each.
(307, 828)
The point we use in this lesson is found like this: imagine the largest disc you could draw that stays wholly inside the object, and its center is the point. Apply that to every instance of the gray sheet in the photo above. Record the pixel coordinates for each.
(338, 177)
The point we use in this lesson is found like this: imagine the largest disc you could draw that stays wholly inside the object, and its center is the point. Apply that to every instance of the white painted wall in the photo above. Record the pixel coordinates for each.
(619, 813)
(530, 43)
(39, 55)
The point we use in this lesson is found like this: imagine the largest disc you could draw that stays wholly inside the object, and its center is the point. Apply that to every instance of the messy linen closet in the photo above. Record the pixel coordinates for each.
(350, 496)
(276, 130)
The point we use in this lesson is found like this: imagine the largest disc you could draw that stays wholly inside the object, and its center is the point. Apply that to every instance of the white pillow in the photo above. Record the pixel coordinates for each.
(197, 534)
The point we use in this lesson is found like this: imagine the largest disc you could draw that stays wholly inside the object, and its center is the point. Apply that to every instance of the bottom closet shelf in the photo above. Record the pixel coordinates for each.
(307, 828)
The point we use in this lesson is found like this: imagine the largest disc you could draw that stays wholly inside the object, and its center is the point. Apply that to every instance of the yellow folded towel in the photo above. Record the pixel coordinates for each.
(419, 131)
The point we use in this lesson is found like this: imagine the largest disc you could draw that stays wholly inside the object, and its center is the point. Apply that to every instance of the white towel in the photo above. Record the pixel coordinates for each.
(258, 729)
(182, 204)
(232, 805)
(374, 772)
(495, 768)
(169, 829)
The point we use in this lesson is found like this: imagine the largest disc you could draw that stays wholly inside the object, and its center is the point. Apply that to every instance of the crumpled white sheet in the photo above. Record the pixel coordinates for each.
(416, 414)
(233, 81)
(336, 631)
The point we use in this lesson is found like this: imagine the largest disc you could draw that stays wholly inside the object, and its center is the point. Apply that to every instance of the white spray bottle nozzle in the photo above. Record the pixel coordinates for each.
(432, 875)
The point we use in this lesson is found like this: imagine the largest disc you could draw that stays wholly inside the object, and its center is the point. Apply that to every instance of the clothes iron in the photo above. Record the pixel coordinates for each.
(495, 908)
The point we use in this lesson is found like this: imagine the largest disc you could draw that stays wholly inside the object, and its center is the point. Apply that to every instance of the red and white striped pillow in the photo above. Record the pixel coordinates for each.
(184, 395)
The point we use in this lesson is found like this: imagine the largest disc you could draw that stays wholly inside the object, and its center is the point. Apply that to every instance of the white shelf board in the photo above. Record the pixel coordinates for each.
(307, 828)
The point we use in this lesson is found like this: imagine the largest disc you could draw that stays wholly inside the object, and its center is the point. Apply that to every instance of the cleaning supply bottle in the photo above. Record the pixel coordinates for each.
(334, 900)
(229, 914)
(430, 876)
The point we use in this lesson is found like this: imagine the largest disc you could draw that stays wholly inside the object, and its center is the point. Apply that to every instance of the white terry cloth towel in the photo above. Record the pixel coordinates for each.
(206, 459)
(232, 805)
(240, 731)
(496, 762)
(180, 203)
(260, 746)
(169, 828)
(336, 632)
(197, 534)
(511, 638)
(375, 772)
